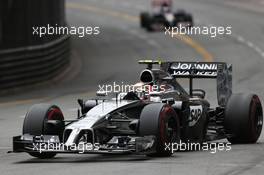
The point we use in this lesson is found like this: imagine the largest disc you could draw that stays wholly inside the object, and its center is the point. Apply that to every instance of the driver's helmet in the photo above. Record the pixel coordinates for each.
(165, 8)
(143, 89)
(160, 3)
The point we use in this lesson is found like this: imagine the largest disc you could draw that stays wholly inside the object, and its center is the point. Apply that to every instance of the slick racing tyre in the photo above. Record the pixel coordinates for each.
(160, 120)
(243, 118)
(35, 123)
(183, 17)
(189, 19)
(144, 19)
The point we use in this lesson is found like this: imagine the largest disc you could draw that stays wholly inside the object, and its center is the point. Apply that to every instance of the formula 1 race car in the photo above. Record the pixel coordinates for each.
(165, 18)
(145, 123)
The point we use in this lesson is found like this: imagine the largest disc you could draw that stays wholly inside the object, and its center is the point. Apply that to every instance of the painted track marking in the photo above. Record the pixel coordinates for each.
(184, 38)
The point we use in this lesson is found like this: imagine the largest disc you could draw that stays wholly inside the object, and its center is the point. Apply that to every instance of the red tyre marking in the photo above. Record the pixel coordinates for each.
(165, 111)
(55, 114)
(253, 113)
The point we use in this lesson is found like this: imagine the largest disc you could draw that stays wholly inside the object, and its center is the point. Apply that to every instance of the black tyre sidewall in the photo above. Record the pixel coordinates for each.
(154, 118)
(34, 124)
(144, 19)
(167, 114)
(240, 118)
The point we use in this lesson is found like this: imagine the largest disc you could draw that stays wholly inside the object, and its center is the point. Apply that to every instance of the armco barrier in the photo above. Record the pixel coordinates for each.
(35, 64)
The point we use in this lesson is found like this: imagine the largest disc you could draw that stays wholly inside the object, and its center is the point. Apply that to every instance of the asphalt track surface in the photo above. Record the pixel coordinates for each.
(112, 56)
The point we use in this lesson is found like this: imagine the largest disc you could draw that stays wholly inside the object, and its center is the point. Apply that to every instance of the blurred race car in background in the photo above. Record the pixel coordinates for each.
(142, 123)
(163, 16)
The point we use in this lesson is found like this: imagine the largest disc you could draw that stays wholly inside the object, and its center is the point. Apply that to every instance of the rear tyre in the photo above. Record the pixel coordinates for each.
(146, 21)
(243, 118)
(149, 27)
(144, 18)
(161, 121)
(189, 19)
(35, 123)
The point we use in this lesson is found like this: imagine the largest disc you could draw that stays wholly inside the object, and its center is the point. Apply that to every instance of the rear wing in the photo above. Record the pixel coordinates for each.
(220, 71)
(195, 69)
(191, 69)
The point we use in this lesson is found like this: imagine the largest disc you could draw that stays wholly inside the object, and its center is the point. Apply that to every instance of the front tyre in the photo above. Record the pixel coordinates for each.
(243, 118)
(161, 121)
(35, 123)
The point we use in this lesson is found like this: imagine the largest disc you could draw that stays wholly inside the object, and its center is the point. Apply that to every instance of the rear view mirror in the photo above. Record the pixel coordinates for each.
(101, 93)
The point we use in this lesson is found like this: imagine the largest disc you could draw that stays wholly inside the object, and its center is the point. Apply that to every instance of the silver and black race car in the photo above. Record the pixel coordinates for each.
(157, 21)
(145, 123)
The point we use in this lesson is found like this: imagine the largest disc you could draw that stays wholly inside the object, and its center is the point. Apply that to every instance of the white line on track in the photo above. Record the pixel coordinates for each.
(249, 44)
(150, 41)
(258, 49)
(153, 43)
(240, 39)
(138, 34)
(244, 41)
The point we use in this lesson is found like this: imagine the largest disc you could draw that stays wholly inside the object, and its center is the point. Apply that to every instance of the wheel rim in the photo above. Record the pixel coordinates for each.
(168, 126)
(55, 114)
(172, 129)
